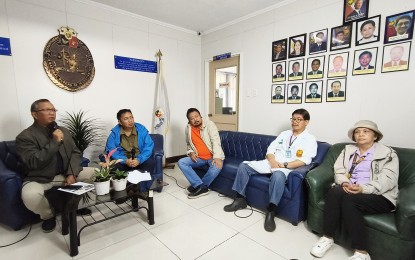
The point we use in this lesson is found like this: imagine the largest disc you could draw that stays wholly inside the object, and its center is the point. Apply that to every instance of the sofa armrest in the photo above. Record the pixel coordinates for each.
(405, 213)
(319, 181)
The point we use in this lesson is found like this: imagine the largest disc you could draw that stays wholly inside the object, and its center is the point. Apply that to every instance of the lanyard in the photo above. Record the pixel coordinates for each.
(291, 141)
(354, 164)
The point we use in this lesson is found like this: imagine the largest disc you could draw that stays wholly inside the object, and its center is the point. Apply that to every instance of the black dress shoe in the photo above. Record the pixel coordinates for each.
(269, 223)
(238, 203)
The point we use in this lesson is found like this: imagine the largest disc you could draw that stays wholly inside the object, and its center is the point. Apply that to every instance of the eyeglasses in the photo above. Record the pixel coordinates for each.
(297, 120)
(48, 110)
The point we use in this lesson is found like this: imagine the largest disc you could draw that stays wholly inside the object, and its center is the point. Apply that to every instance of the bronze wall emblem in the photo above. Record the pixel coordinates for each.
(68, 61)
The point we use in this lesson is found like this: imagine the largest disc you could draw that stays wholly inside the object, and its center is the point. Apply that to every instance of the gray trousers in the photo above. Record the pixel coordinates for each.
(33, 192)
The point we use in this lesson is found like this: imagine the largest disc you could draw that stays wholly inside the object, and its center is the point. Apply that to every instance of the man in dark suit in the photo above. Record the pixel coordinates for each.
(319, 43)
(313, 91)
(294, 93)
(364, 59)
(278, 72)
(335, 90)
(279, 52)
(358, 12)
(278, 91)
(315, 65)
(296, 70)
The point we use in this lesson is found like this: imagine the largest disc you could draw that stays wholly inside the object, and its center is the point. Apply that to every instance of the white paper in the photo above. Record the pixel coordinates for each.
(260, 166)
(85, 188)
(137, 176)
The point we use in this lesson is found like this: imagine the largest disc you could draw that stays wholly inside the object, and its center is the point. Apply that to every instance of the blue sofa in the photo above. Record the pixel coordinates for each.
(239, 147)
(13, 212)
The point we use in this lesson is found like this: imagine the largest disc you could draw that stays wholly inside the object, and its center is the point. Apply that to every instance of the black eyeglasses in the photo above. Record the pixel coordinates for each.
(48, 110)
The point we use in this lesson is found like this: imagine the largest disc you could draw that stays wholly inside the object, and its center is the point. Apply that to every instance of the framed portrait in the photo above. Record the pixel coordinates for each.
(314, 91)
(365, 61)
(368, 31)
(338, 65)
(297, 45)
(336, 90)
(315, 67)
(341, 37)
(278, 71)
(279, 50)
(318, 41)
(296, 68)
(355, 10)
(399, 27)
(294, 91)
(396, 57)
(277, 93)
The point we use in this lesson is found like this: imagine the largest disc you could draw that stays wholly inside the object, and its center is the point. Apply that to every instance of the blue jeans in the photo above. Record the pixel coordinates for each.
(276, 186)
(186, 165)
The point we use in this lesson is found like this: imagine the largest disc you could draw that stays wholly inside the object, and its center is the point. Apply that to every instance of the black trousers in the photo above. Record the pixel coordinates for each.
(349, 209)
(147, 165)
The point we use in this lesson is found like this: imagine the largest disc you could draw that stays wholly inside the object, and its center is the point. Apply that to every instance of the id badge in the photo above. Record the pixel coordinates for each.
(288, 153)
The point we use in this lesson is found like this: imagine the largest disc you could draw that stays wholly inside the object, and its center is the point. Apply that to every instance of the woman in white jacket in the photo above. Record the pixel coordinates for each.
(366, 182)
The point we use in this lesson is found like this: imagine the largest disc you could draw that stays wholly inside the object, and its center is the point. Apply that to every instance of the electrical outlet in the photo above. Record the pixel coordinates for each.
(248, 93)
(255, 92)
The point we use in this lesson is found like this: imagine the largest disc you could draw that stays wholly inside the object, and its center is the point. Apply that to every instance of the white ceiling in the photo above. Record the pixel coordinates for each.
(195, 15)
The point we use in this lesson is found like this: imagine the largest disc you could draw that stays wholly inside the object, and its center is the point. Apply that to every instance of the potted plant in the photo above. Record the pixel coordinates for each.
(103, 176)
(119, 180)
(85, 131)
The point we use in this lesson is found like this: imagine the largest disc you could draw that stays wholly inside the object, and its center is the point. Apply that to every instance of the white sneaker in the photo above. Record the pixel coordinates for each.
(359, 256)
(321, 247)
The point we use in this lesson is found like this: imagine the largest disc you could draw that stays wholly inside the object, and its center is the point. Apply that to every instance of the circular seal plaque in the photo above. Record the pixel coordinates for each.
(68, 61)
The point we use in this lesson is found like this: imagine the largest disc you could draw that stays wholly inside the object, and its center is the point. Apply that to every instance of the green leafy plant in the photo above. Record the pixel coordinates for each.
(104, 174)
(85, 131)
(119, 175)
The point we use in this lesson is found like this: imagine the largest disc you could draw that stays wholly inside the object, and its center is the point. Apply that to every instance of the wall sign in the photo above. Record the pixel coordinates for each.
(222, 56)
(68, 61)
(126, 63)
(5, 46)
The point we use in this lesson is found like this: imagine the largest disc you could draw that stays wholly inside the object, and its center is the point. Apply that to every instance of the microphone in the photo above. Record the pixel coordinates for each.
(132, 154)
(52, 127)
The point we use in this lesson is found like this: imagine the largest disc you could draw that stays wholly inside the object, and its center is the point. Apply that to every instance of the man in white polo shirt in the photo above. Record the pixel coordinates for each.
(291, 149)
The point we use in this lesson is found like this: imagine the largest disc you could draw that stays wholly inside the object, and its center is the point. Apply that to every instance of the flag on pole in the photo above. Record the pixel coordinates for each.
(161, 108)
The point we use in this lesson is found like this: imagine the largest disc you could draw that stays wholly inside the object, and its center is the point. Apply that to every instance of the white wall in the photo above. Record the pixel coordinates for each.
(387, 99)
(107, 32)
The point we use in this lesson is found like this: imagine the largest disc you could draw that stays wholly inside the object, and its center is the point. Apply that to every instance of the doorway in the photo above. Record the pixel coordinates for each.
(224, 93)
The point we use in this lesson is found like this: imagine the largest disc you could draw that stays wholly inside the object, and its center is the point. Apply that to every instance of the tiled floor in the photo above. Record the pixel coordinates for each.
(184, 229)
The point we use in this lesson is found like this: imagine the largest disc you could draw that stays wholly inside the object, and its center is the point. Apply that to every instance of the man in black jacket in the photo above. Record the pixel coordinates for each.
(50, 158)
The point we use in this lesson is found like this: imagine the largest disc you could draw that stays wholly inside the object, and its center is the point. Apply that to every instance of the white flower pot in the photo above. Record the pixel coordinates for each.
(119, 185)
(102, 188)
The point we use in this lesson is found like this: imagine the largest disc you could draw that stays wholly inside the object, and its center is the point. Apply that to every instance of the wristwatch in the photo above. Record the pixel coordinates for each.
(286, 165)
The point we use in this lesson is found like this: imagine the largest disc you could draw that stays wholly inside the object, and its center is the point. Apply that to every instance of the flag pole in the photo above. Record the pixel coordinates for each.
(165, 165)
